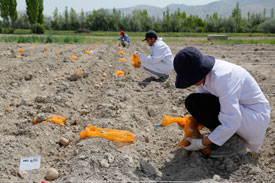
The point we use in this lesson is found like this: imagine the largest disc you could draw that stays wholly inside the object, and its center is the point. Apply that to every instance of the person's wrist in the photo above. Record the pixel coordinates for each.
(206, 141)
(199, 142)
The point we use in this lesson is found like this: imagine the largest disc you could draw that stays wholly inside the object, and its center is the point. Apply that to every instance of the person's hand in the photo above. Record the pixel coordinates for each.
(137, 53)
(196, 144)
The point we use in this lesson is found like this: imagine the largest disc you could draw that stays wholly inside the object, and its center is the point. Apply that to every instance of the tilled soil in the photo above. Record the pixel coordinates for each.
(41, 83)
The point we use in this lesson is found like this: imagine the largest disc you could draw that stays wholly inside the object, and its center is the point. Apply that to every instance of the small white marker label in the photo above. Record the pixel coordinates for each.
(30, 163)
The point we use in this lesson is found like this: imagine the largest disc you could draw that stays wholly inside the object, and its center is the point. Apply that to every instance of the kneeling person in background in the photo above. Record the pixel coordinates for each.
(124, 40)
(159, 63)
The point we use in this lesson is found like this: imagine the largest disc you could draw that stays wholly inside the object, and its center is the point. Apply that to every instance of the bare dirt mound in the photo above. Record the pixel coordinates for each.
(42, 83)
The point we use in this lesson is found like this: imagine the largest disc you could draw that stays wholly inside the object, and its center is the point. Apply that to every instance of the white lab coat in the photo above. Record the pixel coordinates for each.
(244, 108)
(160, 59)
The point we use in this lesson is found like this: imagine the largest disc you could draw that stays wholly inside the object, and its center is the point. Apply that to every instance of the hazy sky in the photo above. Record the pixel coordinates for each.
(89, 5)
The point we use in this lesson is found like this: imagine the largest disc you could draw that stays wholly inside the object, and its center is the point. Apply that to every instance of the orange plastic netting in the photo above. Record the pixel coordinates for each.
(191, 129)
(121, 53)
(135, 61)
(109, 134)
(79, 72)
(74, 58)
(119, 73)
(35, 120)
(88, 52)
(123, 60)
(56, 119)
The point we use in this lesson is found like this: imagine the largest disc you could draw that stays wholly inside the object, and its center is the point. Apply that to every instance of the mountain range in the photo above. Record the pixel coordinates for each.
(222, 7)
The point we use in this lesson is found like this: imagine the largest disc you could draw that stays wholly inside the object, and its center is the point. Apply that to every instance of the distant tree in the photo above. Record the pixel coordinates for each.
(40, 18)
(57, 22)
(166, 23)
(254, 21)
(22, 21)
(66, 19)
(264, 13)
(116, 19)
(268, 26)
(35, 14)
(146, 21)
(12, 11)
(157, 24)
(272, 13)
(47, 22)
(32, 10)
(236, 14)
(135, 21)
(176, 23)
(124, 23)
(8, 13)
(54, 23)
(100, 20)
(228, 24)
(4, 12)
(73, 20)
(82, 19)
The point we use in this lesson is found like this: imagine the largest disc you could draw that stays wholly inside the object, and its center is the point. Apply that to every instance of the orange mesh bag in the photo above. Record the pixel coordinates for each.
(79, 72)
(119, 73)
(123, 60)
(46, 48)
(58, 52)
(35, 120)
(135, 61)
(109, 134)
(74, 58)
(121, 53)
(56, 119)
(191, 129)
(21, 50)
(88, 52)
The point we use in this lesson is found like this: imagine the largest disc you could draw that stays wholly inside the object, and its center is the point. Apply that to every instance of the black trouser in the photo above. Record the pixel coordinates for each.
(204, 108)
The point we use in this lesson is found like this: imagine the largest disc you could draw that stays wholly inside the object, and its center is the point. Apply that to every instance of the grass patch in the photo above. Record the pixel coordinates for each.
(246, 41)
(43, 39)
(110, 40)
(141, 34)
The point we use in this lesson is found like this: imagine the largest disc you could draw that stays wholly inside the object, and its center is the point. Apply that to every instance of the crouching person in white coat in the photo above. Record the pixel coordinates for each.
(159, 63)
(228, 101)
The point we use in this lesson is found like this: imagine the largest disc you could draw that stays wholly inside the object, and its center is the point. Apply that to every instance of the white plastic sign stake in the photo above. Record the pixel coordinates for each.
(30, 176)
(30, 164)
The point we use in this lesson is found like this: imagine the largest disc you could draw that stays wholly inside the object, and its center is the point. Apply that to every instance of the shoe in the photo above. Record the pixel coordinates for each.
(162, 78)
(146, 81)
(235, 145)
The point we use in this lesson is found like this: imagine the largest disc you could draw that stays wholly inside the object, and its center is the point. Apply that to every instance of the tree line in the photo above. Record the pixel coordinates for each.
(137, 21)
